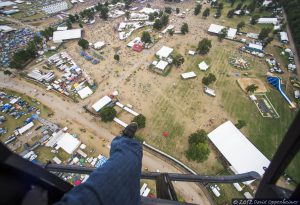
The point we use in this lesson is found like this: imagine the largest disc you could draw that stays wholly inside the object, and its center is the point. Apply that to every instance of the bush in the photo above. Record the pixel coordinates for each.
(209, 79)
(140, 120)
(117, 57)
(168, 10)
(204, 46)
(240, 124)
(84, 44)
(184, 28)
(107, 114)
(198, 152)
(198, 137)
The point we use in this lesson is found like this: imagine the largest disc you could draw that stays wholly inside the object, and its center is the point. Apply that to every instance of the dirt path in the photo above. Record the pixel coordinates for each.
(73, 112)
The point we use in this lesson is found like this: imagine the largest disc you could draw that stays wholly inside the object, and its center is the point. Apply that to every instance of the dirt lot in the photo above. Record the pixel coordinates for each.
(244, 82)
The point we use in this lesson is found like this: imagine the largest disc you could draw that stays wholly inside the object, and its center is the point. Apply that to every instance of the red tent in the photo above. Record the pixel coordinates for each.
(165, 134)
(77, 182)
(137, 47)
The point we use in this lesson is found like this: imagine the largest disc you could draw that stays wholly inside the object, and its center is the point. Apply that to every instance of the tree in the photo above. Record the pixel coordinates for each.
(72, 18)
(80, 25)
(127, 14)
(184, 28)
(171, 32)
(140, 120)
(146, 38)
(151, 17)
(230, 13)
(204, 46)
(200, 136)
(104, 13)
(168, 10)
(157, 24)
(240, 124)
(177, 10)
(222, 34)
(84, 44)
(198, 152)
(254, 19)
(218, 13)
(164, 20)
(209, 79)
(251, 88)
(7, 72)
(206, 13)
(240, 25)
(221, 6)
(178, 60)
(232, 3)
(117, 57)
(239, 6)
(197, 9)
(264, 33)
(107, 114)
(20, 58)
(69, 24)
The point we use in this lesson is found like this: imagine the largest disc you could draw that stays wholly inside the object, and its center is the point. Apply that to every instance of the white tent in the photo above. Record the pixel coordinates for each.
(238, 150)
(161, 65)
(68, 143)
(85, 92)
(25, 128)
(99, 45)
(164, 52)
(203, 66)
(214, 28)
(101, 103)
(283, 37)
(231, 33)
(59, 36)
(267, 21)
(188, 75)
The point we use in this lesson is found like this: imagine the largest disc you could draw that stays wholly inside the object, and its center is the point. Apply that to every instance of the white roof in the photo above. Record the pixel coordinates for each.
(231, 33)
(169, 27)
(147, 10)
(56, 160)
(120, 122)
(85, 92)
(134, 41)
(59, 36)
(162, 65)
(62, 28)
(188, 75)
(5, 28)
(192, 53)
(101, 103)
(164, 52)
(214, 28)
(238, 150)
(203, 66)
(68, 143)
(99, 44)
(283, 36)
(256, 46)
(25, 128)
(268, 21)
(6, 3)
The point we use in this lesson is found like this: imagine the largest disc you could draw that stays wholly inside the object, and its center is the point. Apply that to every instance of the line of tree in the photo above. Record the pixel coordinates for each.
(198, 147)
(291, 8)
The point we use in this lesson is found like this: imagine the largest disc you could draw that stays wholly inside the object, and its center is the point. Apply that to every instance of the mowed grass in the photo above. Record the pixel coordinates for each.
(44, 154)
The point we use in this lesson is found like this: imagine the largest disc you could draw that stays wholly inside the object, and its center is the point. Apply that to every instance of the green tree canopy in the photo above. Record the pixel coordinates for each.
(206, 13)
(197, 9)
(107, 114)
(184, 28)
(254, 19)
(240, 124)
(222, 34)
(198, 152)
(209, 79)
(251, 88)
(204, 46)
(146, 38)
(230, 13)
(264, 33)
(200, 136)
(140, 120)
(157, 24)
(83, 43)
(177, 10)
(117, 57)
(178, 59)
(240, 25)
(168, 10)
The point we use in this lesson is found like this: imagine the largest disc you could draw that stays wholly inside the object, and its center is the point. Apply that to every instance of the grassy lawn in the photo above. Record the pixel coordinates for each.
(44, 154)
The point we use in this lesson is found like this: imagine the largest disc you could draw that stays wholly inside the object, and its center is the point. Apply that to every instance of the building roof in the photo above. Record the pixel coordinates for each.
(5, 29)
(59, 36)
(267, 20)
(231, 33)
(68, 143)
(203, 66)
(85, 92)
(238, 150)
(164, 52)
(56, 160)
(25, 128)
(147, 10)
(256, 46)
(101, 103)
(283, 36)
(134, 41)
(188, 75)
(214, 28)
(6, 3)
(162, 65)
(99, 45)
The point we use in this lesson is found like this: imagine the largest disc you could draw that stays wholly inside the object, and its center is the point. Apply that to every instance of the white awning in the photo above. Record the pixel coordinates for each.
(101, 103)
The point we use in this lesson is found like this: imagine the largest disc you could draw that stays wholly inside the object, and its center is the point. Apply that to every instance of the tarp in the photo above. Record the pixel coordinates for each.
(68, 143)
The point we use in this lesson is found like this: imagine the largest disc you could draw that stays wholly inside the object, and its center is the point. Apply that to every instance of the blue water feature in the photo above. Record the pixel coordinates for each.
(276, 82)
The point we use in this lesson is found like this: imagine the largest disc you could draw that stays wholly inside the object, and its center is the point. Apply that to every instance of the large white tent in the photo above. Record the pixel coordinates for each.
(238, 150)
(203, 66)
(68, 143)
(60, 36)
(85, 92)
(101, 103)
(164, 52)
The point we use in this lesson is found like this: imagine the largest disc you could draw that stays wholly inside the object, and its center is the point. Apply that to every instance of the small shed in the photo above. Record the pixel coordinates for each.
(188, 75)
(203, 66)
